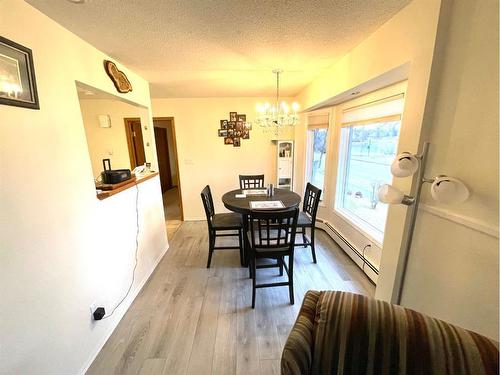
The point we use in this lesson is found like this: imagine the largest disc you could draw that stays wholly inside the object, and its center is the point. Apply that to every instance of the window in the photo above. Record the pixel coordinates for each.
(317, 140)
(367, 149)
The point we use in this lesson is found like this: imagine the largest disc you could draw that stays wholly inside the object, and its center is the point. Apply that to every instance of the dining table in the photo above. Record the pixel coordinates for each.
(235, 201)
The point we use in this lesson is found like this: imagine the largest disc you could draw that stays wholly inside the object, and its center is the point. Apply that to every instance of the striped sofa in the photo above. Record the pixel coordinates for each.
(346, 333)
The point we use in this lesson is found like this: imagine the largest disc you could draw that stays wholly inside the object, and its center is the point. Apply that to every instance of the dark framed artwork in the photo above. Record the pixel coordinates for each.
(228, 141)
(233, 116)
(248, 125)
(236, 142)
(239, 125)
(223, 124)
(17, 75)
(231, 125)
(246, 134)
(242, 118)
(222, 133)
(230, 133)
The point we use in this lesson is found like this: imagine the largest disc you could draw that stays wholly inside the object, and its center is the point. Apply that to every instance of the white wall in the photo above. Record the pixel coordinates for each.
(55, 256)
(203, 157)
(453, 268)
(111, 143)
(404, 43)
(453, 264)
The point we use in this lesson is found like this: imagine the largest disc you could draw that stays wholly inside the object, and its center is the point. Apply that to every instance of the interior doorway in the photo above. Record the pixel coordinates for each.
(135, 142)
(168, 165)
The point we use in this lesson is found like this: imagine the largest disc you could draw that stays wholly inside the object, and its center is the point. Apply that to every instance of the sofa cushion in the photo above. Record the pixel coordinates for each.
(297, 353)
(354, 334)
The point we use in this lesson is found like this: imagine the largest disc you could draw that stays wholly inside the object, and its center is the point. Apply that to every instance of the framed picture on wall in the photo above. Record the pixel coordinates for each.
(223, 124)
(231, 124)
(228, 141)
(242, 118)
(222, 133)
(248, 125)
(246, 134)
(236, 142)
(233, 116)
(17, 75)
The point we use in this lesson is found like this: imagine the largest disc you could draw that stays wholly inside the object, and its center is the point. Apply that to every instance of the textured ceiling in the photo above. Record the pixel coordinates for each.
(199, 48)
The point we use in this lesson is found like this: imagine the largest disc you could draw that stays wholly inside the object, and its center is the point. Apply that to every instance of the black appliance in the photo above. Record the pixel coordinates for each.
(110, 176)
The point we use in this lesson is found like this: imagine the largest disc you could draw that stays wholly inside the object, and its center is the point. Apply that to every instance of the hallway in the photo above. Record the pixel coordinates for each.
(171, 206)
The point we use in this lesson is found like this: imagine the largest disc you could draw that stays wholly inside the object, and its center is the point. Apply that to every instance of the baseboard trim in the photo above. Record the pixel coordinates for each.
(122, 313)
(348, 248)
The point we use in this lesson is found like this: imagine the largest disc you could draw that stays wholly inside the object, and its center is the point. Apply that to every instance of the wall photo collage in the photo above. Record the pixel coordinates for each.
(235, 129)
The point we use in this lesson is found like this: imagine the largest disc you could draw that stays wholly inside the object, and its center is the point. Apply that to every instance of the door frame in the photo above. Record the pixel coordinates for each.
(179, 188)
(130, 143)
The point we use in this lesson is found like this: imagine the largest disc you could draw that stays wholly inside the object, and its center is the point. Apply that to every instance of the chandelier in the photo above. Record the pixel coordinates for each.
(274, 117)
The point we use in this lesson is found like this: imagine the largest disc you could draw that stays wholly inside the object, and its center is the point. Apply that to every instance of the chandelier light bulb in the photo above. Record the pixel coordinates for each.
(276, 116)
(295, 106)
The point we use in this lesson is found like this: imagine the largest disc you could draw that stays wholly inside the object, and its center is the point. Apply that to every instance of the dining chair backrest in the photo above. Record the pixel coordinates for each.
(273, 229)
(251, 181)
(208, 203)
(311, 200)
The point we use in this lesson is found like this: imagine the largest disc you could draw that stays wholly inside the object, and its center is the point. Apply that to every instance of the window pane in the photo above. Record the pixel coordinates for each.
(367, 152)
(318, 158)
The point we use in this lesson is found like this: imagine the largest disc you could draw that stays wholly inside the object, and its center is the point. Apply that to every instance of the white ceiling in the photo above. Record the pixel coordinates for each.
(203, 48)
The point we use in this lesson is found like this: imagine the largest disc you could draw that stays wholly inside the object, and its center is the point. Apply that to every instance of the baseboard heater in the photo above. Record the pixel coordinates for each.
(350, 246)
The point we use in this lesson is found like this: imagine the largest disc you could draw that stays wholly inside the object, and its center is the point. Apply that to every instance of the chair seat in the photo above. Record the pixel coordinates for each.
(226, 221)
(304, 220)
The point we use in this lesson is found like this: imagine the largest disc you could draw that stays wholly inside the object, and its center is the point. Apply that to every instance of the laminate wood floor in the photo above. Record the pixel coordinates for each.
(192, 320)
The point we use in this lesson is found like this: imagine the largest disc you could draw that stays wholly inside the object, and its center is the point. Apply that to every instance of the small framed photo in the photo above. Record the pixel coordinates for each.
(239, 125)
(242, 118)
(222, 132)
(231, 125)
(236, 142)
(228, 141)
(223, 124)
(248, 125)
(238, 133)
(233, 116)
(17, 75)
(230, 133)
(246, 134)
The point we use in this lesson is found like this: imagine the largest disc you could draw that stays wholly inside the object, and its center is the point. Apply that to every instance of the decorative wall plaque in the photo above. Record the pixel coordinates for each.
(119, 78)
(235, 129)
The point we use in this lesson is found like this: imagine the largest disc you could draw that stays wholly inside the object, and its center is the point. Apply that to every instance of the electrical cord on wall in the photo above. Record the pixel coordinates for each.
(364, 258)
(136, 254)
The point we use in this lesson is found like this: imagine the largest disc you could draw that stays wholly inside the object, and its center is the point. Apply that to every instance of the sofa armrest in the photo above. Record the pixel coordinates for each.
(297, 353)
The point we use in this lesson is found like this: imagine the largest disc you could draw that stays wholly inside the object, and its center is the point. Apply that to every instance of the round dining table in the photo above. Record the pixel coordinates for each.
(242, 206)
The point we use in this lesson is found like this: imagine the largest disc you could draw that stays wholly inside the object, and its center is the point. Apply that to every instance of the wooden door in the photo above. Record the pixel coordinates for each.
(163, 158)
(135, 142)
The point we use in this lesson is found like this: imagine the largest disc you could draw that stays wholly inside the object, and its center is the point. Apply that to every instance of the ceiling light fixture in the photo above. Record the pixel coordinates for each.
(274, 117)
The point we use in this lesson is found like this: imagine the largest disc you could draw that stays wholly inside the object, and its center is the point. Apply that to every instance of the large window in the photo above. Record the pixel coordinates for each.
(317, 141)
(317, 158)
(367, 149)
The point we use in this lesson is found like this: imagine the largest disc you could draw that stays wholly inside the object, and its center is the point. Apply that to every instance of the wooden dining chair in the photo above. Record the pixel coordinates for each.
(251, 181)
(219, 225)
(307, 218)
(272, 236)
